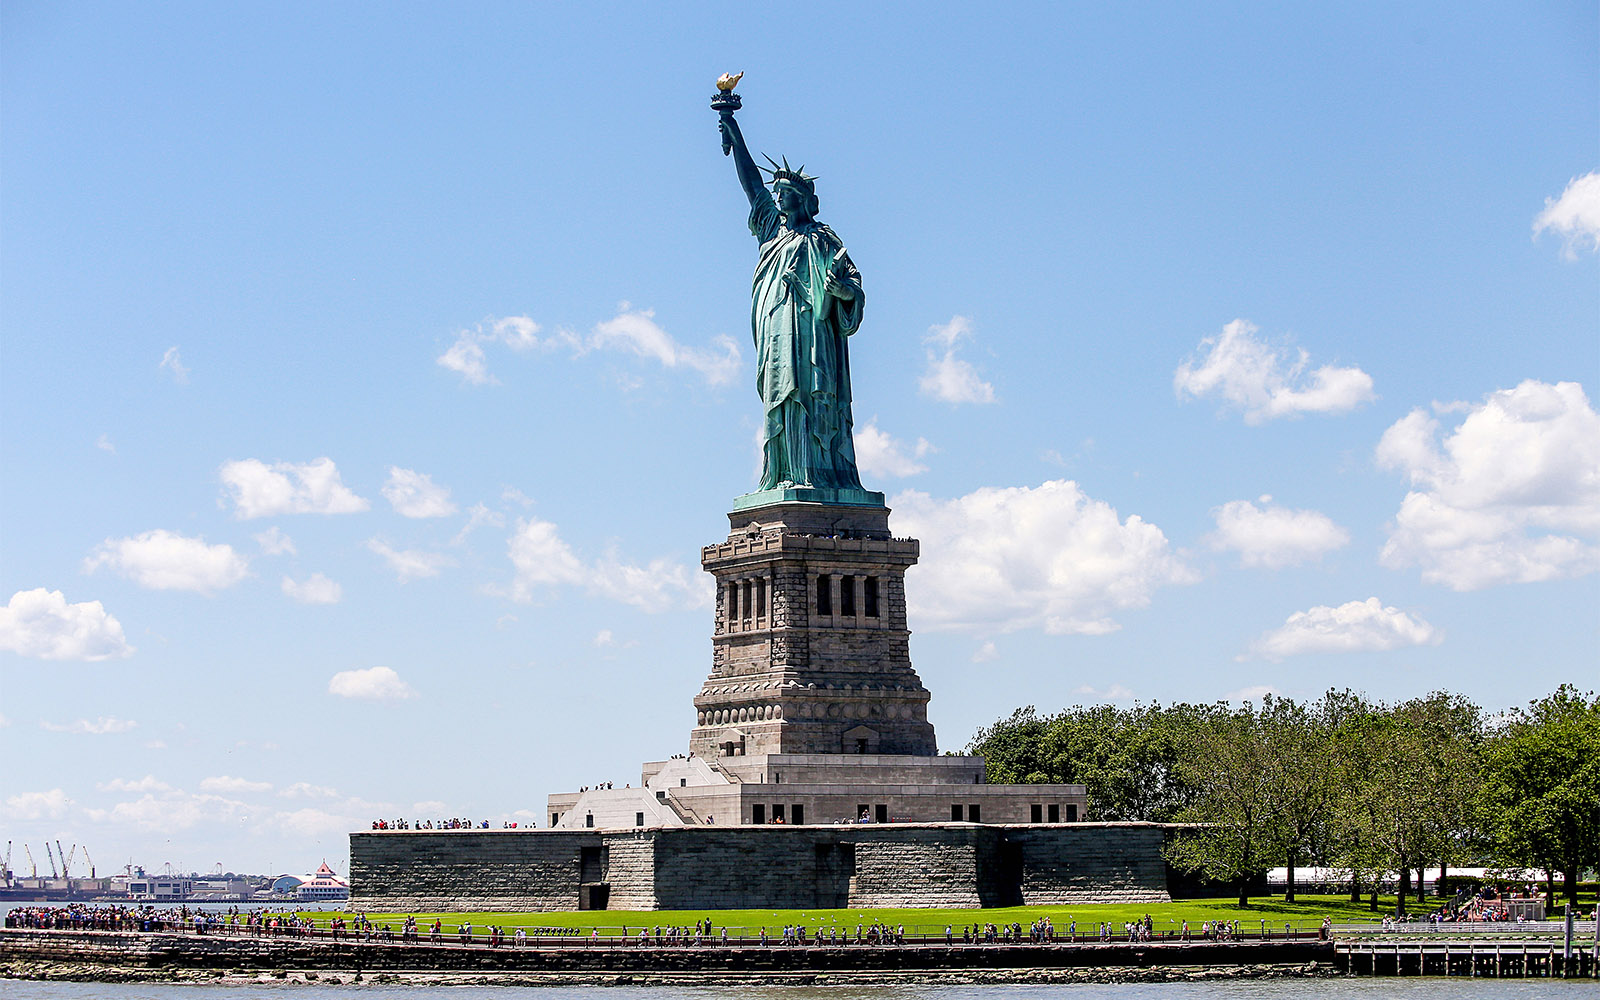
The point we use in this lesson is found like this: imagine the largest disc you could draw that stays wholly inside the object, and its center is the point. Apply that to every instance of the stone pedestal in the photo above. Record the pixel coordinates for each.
(810, 648)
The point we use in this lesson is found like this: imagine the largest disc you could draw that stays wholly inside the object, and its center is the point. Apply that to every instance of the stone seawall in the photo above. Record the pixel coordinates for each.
(758, 867)
(104, 954)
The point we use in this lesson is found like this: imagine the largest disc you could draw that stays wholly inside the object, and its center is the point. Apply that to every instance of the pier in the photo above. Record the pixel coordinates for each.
(1532, 950)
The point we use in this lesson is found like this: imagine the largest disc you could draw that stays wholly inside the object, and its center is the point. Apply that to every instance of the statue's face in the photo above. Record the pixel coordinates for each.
(789, 201)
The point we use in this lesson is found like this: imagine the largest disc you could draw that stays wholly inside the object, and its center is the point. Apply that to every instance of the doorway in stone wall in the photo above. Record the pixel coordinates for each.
(835, 867)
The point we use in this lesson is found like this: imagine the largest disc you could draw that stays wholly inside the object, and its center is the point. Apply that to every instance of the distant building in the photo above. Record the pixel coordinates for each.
(220, 888)
(287, 884)
(323, 885)
(160, 888)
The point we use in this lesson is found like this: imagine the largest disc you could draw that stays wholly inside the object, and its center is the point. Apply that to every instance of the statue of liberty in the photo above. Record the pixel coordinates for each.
(806, 301)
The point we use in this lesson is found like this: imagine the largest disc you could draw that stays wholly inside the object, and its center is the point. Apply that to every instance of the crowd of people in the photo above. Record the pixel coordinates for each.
(357, 928)
(1484, 904)
(148, 918)
(453, 823)
(77, 917)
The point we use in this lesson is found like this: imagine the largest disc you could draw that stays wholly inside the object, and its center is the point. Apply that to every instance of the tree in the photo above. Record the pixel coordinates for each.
(1011, 749)
(1541, 786)
(1225, 761)
(1409, 770)
(1302, 771)
(1125, 758)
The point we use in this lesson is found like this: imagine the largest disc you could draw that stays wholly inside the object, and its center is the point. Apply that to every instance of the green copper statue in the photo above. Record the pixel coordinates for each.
(805, 304)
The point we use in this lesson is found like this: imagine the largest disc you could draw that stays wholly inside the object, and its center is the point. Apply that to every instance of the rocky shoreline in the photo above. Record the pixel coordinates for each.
(68, 971)
(122, 956)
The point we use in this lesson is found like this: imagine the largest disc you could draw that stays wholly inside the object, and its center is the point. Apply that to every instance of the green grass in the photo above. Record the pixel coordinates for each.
(1305, 913)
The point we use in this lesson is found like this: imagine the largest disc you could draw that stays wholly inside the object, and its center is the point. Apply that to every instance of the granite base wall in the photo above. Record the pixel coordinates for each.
(1091, 863)
(468, 870)
(755, 867)
(927, 866)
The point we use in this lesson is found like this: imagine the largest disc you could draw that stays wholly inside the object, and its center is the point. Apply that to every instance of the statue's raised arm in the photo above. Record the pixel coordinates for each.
(806, 302)
(743, 164)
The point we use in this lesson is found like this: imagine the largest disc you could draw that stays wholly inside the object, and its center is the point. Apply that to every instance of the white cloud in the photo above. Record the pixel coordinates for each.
(986, 653)
(466, 358)
(1115, 692)
(1032, 557)
(880, 454)
(104, 444)
(4, 722)
(274, 542)
(1575, 215)
(37, 805)
(636, 332)
(478, 516)
(306, 790)
(604, 638)
(948, 378)
(145, 785)
(40, 623)
(371, 684)
(173, 810)
(99, 727)
(310, 823)
(226, 785)
(659, 586)
(1266, 382)
(1359, 626)
(166, 560)
(1274, 537)
(630, 331)
(315, 589)
(1255, 693)
(262, 490)
(414, 494)
(170, 361)
(1512, 497)
(410, 564)
(543, 560)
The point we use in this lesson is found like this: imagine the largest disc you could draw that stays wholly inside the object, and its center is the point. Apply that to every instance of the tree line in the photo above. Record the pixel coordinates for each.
(1363, 786)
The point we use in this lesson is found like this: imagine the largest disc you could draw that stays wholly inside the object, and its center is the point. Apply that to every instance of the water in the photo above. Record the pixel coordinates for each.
(1288, 989)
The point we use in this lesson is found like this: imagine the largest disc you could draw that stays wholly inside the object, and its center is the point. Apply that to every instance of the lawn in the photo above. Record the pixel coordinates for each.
(1304, 914)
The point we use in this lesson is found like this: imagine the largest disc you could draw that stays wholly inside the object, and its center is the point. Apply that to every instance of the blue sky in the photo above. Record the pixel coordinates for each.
(373, 373)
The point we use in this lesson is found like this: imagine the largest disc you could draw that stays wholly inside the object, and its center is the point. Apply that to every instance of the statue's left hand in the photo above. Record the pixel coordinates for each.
(839, 288)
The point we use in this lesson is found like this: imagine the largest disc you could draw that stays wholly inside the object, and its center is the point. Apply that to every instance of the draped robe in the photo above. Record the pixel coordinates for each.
(802, 353)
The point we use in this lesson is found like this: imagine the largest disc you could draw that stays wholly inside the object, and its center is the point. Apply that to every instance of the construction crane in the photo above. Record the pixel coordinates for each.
(88, 861)
(63, 856)
(5, 869)
(52, 859)
(33, 866)
(66, 866)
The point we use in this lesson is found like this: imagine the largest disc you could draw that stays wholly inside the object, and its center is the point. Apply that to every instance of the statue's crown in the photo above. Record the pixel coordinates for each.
(788, 175)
